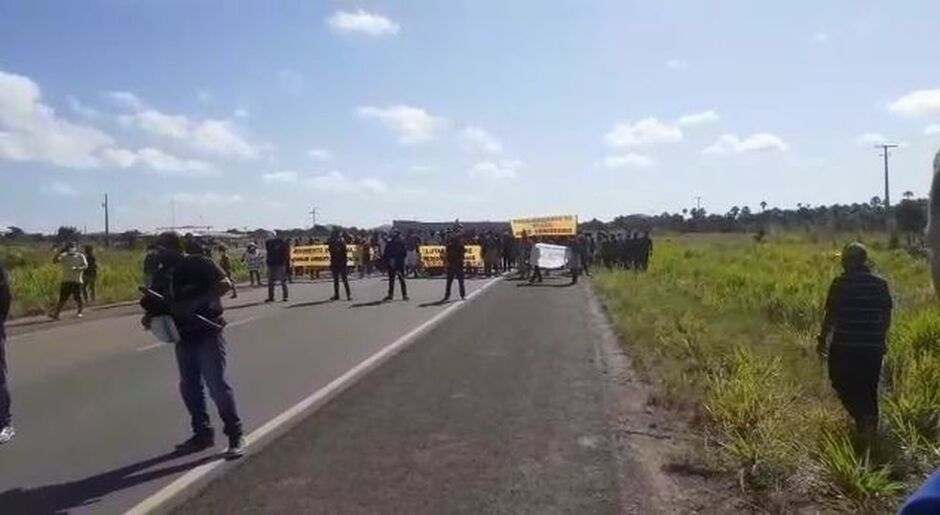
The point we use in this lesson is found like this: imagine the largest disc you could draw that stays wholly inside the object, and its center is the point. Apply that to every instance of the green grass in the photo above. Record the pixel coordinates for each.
(725, 328)
(35, 279)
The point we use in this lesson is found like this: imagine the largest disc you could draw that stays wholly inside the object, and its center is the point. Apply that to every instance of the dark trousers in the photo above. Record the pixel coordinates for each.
(90, 287)
(854, 373)
(254, 277)
(536, 274)
(452, 272)
(69, 290)
(394, 272)
(4, 389)
(340, 273)
(202, 359)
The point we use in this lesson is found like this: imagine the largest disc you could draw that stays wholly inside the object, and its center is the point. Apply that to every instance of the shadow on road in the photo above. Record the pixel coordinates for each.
(309, 304)
(64, 497)
(545, 285)
(434, 304)
(369, 304)
(243, 306)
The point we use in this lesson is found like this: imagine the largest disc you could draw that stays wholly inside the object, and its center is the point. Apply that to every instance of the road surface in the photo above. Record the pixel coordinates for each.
(501, 406)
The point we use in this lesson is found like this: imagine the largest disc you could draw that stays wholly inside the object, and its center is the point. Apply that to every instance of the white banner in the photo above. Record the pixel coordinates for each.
(551, 256)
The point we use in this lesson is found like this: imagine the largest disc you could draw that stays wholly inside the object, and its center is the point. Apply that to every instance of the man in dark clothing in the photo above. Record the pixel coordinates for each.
(454, 262)
(189, 289)
(90, 276)
(226, 265)
(278, 259)
(858, 315)
(394, 258)
(645, 251)
(6, 422)
(338, 265)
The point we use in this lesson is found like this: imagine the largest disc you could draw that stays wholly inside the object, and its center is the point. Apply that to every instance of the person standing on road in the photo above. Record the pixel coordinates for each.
(412, 242)
(253, 260)
(394, 257)
(857, 318)
(338, 265)
(191, 288)
(226, 265)
(575, 258)
(278, 259)
(90, 275)
(454, 262)
(73, 266)
(6, 299)
(534, 256)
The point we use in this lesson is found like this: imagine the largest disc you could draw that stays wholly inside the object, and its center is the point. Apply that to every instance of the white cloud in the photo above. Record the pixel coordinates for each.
(119, 157)
(759, 142)
(125, 100)
(160, 161)
(821, 37)
(362, 22)
(31, 131)
(320, 154)
(703, 118)
(477, 139)
(81, 109)
(59, 189)
(648, 131)
(413, 124)
(281, 176)
(629, 160)
(871, 138)
(932, 129)
(496, 170)
(676, 64)
(421, 169)
(211, 136)
(240, 113)
(925, 102)
(208, 198)
(336, 182)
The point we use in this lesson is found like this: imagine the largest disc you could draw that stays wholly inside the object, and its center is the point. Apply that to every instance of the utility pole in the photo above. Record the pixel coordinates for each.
(107, 222)
(886, 153)
(698, 203)
(313, 215)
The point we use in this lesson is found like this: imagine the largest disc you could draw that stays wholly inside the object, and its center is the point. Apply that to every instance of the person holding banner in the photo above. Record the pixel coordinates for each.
(394, 257)
(454, 261)
(338, 265)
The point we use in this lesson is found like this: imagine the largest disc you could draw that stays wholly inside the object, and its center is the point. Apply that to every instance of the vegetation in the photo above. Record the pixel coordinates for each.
(725, 327)
(35, 279)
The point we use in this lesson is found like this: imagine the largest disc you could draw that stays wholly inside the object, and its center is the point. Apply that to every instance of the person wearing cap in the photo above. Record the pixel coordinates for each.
(394, 257)
(338, 263)
(189, 288)
(73, 266)
(454, 263)
(6, 421)
(254, 261)
(854, 329)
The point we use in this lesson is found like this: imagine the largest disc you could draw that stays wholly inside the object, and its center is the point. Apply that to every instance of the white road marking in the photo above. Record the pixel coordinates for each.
(313, 401)
(233, 324)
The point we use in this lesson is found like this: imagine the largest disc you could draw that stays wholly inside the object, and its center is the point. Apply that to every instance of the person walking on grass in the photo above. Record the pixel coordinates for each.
(6, 299)
(189, 289)
(339, 268)
(278, 260)
(394, 257)
(73, 266)
(854, 328)
(90, 276)
(454, 262)
(254, 261)
(226, 265)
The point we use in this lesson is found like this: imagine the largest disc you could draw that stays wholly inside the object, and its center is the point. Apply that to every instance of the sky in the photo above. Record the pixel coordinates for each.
(251, 113)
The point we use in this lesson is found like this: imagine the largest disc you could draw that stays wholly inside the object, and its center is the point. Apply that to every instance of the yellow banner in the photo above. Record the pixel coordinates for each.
(432, 256)
(318, 256)
(562, 225)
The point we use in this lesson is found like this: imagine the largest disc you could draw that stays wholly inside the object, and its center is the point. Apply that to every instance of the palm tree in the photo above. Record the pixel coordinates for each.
(763, 205)
(908, 194)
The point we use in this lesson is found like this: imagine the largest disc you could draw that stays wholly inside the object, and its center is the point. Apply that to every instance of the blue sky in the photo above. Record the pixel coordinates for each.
(249, 113)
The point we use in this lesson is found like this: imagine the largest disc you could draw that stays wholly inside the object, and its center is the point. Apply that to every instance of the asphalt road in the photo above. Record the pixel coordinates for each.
(96, 403)
(503, 408)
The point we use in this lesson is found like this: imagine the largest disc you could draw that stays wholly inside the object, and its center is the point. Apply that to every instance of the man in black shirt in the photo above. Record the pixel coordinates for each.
(338, 265)
(278, 260)
(395, 264)
(6, 422)
(454, 262)
(858, 315)
(189, 289)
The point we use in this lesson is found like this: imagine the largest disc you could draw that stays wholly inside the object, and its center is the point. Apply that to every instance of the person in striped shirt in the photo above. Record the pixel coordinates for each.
(858, 315)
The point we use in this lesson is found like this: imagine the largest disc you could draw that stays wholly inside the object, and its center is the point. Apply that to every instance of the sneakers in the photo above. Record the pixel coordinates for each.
(387, 299)
(79, 315)
(195, 444)
(404, 298)
(334, 297)
(236, 448)
(269, 300)
(7, 434)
